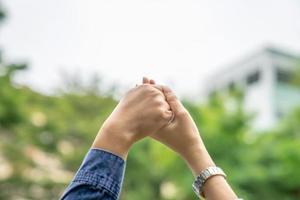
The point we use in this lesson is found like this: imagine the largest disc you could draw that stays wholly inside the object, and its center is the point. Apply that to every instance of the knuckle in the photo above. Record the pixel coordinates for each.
(166, 116)
(146, 87)
(154, 92)
(150, 90)
(161, 113)
(142, 88)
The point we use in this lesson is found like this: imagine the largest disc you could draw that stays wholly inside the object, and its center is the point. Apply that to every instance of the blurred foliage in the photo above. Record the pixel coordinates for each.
(296, 76)
(43, 140)
(2, 14)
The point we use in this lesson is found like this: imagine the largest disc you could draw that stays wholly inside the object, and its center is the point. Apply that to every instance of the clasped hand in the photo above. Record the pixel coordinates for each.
(152, 110)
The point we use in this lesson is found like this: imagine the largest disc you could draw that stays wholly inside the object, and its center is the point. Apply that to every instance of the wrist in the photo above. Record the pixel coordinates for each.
(198, 158)
(113, 140)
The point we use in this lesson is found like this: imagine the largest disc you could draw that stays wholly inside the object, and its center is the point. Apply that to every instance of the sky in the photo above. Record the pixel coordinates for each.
(176, 42)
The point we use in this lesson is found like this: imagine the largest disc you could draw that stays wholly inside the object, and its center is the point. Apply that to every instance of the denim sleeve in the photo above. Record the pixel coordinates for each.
(100, 177)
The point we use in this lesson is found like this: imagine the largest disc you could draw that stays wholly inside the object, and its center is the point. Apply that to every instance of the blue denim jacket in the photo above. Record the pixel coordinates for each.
(100, 177)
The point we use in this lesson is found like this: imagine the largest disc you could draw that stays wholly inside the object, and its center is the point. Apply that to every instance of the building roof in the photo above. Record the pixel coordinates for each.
(267, 50)
(280, 52)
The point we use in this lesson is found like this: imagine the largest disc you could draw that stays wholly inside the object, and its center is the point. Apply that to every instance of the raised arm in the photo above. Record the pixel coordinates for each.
(141, 112)
(183, 137)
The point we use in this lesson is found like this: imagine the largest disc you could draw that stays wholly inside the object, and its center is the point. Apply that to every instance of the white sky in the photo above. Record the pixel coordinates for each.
(179, 42)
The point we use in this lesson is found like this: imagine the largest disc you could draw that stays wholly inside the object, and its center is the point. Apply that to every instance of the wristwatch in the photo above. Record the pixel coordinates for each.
(203, 177)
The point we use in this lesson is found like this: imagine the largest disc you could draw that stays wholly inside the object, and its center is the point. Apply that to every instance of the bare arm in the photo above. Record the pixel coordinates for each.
(183, 137)
(142, 111)
(216, 187)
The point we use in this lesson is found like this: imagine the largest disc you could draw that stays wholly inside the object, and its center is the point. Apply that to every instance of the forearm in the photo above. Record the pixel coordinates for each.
(112, 140)
(197, 158)
(216, 187)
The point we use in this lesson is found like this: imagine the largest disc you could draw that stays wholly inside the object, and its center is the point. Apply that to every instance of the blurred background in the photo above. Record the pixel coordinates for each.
(235, 65)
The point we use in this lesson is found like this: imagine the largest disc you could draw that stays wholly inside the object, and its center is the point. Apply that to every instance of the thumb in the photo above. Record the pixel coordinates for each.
(175, 105)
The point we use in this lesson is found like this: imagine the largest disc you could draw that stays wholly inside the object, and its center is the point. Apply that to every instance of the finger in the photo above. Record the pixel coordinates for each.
(165, 104)
(159, 87)
(162, 88)
(169, 117)
(172, 118)
(146, 80)
(152, 82)
(173, 101)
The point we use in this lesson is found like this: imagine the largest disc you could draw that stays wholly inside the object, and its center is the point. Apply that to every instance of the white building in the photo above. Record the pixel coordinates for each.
(265, 78)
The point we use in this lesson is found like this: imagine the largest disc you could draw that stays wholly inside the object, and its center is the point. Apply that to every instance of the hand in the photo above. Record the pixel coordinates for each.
(182, 134)
(141, 112)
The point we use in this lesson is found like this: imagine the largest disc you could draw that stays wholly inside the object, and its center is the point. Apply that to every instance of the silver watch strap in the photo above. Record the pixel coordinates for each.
(204, 176)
